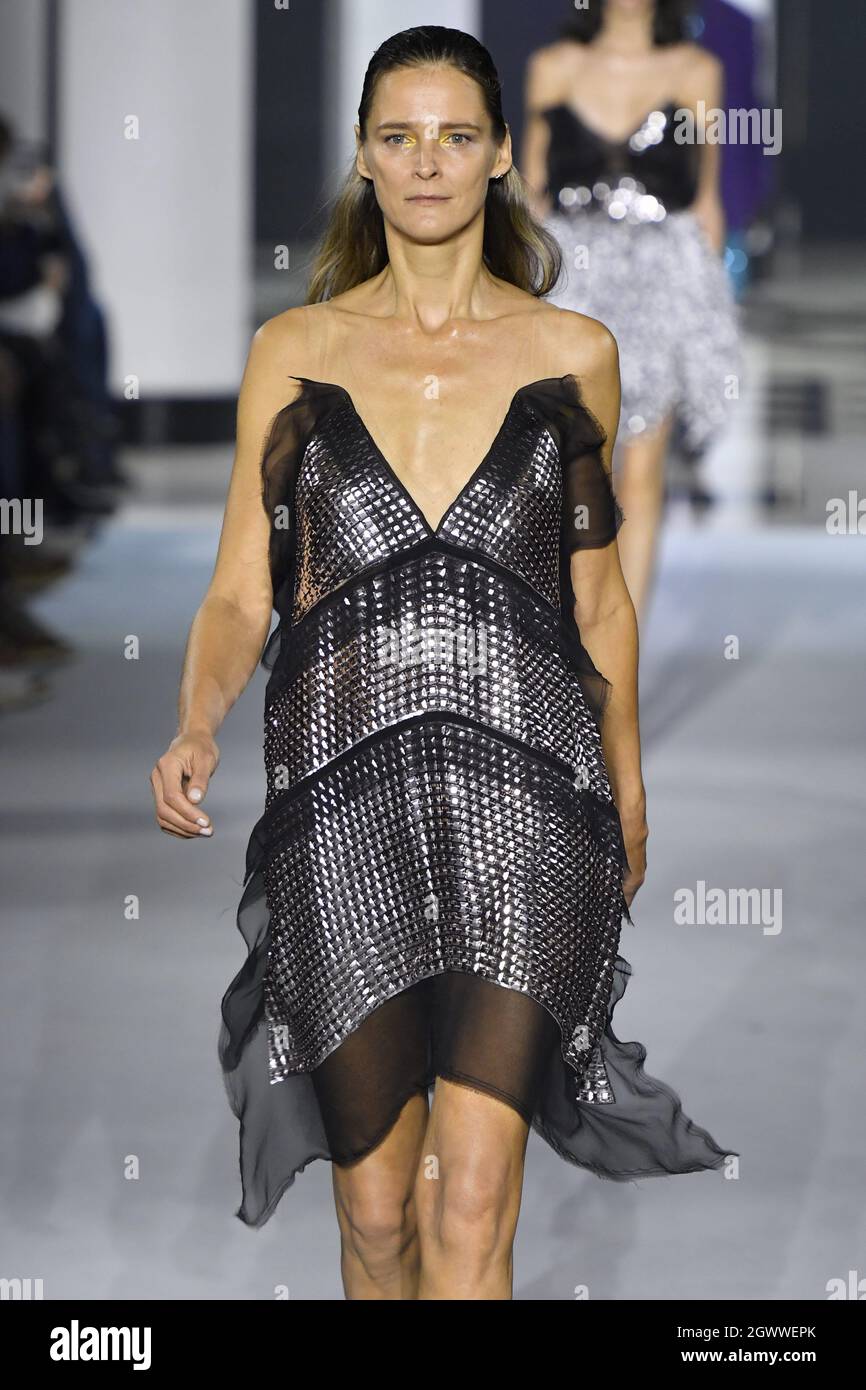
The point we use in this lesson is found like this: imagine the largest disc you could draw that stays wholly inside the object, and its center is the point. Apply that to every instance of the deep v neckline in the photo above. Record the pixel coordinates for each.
(432, 531)
(600, 135)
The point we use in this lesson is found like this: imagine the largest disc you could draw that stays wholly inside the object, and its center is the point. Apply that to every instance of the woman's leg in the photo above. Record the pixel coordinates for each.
(376, 1211)
(640, 488)
(468, 1192)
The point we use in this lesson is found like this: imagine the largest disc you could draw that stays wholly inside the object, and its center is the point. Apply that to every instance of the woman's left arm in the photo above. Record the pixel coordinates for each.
(605, 614)
(703, 82)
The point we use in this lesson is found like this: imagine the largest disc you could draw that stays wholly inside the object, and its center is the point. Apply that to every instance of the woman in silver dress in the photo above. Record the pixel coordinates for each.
(619, 173)
(435, 890)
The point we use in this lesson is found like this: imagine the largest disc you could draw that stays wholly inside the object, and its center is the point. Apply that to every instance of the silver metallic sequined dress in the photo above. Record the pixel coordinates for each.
(435, 885)
(637, 259)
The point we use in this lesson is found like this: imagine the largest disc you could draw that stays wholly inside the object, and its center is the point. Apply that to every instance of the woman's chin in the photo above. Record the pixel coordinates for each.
(428, 223)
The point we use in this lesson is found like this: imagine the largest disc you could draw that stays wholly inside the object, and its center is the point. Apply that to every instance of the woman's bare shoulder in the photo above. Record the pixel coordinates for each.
(585, 348)
(562, 55)
(286, 345)
(695, 71)
(575, 343)
(292, 333)
(551, 70)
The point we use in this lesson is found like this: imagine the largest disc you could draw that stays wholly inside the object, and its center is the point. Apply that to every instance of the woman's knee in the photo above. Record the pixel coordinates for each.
(377, 1221)
(475, 1212)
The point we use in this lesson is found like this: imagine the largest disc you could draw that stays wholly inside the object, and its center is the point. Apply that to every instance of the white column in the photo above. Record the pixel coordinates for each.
(357, 27)
(165, 216)
(24, 66)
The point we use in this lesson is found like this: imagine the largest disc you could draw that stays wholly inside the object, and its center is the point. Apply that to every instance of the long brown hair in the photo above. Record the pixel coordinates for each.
(671, 22)
(516, 248)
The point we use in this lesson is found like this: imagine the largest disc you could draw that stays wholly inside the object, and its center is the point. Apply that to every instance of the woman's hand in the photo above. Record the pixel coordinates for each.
(190, 759)
(635, 833)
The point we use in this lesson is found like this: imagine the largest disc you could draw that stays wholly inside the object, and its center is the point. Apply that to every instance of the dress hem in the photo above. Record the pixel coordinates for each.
(310, 1066)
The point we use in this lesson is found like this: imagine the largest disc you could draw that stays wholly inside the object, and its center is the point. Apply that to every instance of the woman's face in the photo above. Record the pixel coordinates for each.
(430, 151)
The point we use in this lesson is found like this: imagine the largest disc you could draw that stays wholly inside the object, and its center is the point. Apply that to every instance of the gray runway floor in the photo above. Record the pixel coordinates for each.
(119, 1152)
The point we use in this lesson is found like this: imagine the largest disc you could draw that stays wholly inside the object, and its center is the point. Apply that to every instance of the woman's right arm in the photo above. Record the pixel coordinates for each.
(230, 628)
(542, 88)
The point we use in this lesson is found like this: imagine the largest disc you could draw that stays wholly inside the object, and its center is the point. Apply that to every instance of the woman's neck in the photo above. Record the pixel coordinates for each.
(625, 35)
(431, 286)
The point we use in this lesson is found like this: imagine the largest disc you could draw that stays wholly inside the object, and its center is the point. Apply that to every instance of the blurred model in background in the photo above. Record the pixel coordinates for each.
(636, 209)
(58, 431)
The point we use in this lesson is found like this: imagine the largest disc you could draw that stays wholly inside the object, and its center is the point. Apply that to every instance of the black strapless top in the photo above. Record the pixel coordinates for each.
(641, 178)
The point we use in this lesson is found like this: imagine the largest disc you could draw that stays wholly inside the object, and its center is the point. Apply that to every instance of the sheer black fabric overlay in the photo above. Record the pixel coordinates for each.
(431, 890)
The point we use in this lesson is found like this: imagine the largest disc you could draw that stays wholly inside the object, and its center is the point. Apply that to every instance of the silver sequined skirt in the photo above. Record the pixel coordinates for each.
(665, 295)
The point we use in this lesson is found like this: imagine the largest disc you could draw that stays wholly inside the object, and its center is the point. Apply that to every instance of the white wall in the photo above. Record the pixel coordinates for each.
(23, 68)
(166, 219)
